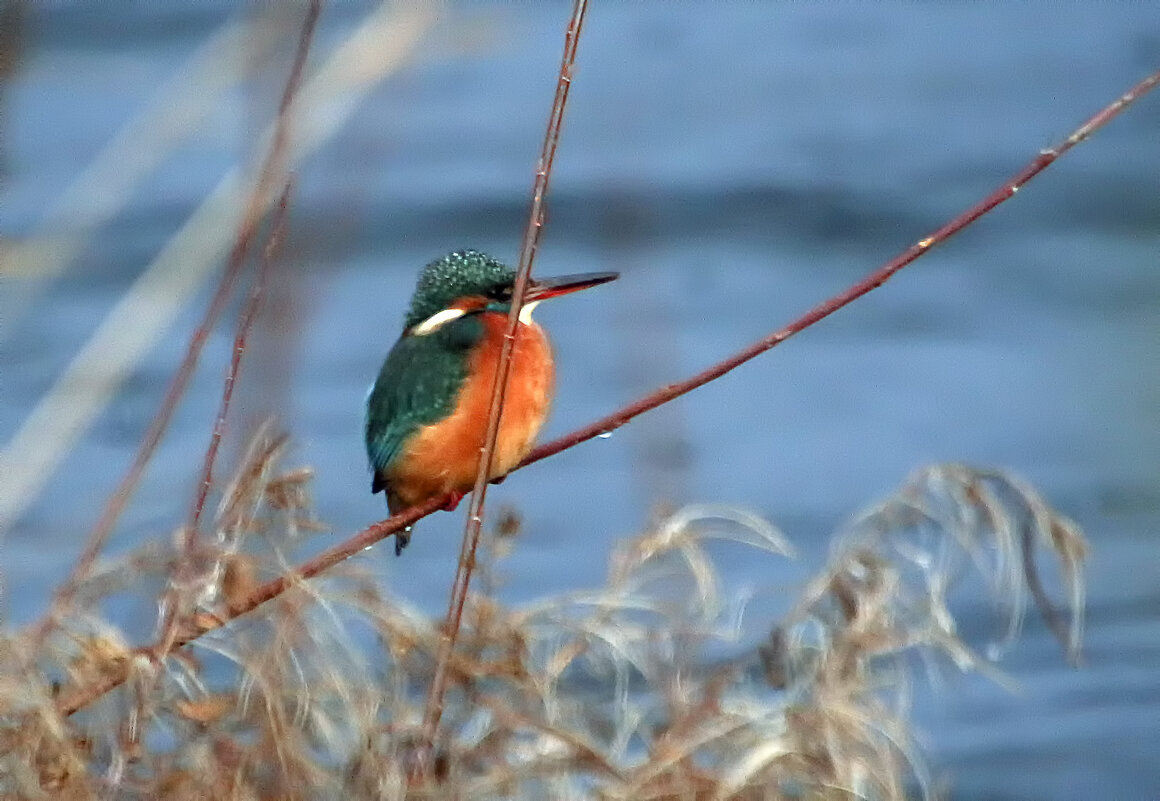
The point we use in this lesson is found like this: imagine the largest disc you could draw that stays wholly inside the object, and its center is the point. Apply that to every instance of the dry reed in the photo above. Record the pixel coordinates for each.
(608, 693)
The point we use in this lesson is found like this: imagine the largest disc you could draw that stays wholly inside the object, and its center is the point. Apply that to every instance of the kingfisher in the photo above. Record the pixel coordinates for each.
(426, 415)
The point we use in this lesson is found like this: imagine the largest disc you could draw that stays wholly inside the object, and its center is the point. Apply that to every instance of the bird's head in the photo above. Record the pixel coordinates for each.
(469, 282)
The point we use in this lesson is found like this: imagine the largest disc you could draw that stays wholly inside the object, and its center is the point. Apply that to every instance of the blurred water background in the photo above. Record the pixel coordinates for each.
(737, 162)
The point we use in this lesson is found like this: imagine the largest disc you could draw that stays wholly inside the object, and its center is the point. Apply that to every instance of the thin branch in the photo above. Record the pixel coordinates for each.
(870, 282)
(241, 248)
(72, 699)
(180, 382)
(381, 45)
(531, 241)
(184, 572)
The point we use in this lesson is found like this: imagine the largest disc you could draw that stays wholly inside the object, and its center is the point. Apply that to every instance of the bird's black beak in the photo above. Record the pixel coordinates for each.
(547, 288)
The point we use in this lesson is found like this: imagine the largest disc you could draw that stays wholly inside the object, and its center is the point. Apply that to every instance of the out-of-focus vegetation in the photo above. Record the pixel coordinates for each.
(609, 693)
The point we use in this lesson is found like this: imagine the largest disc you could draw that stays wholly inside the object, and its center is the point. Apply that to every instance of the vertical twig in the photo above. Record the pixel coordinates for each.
(185, 570)
(434, 708)
(381, 44)
(175, 601)
(270, 171)
(180, 382)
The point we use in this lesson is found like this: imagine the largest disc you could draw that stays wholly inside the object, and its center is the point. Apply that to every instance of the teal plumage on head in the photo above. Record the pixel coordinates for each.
(458, 275)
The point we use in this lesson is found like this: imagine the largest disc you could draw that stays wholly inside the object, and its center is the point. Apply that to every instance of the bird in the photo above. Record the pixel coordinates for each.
(426, 413)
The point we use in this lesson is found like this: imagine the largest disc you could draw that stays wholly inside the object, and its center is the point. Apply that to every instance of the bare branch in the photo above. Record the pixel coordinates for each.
(270, 170)
(870, 282)
(531, 242)
(176, 606)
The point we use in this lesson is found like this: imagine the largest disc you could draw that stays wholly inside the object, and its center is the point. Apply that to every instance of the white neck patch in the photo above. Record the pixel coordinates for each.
(437, 321)
(442, 318)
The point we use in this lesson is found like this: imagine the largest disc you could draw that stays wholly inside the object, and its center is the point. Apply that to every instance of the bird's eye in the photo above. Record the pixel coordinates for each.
(500, 292)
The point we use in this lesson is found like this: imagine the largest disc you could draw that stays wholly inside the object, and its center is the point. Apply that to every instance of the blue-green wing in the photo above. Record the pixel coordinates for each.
(417, 385)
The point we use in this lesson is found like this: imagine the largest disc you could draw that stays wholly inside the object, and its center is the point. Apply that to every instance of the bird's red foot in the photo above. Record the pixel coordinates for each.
(453, 501)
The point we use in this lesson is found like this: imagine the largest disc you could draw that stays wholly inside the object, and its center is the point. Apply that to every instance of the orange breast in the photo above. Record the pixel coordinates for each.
(444, 456)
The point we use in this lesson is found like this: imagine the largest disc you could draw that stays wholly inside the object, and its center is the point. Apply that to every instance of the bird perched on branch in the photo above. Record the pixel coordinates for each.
(426, 415)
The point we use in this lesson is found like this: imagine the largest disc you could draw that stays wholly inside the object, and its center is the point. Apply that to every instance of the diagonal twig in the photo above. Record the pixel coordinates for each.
(870, 282)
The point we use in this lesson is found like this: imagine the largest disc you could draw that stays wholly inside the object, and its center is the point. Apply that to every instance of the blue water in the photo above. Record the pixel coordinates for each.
(738, 163)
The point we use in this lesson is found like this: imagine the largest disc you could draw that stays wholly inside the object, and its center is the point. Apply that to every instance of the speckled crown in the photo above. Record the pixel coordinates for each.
(456, 275)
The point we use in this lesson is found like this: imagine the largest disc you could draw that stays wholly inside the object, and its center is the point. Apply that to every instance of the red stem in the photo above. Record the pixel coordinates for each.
(870, 282)
(532, 233)
(180, 382)
(277, 148)
(184, 569)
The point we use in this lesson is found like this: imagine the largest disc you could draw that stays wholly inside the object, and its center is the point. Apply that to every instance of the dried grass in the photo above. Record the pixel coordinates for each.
(610, 693)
